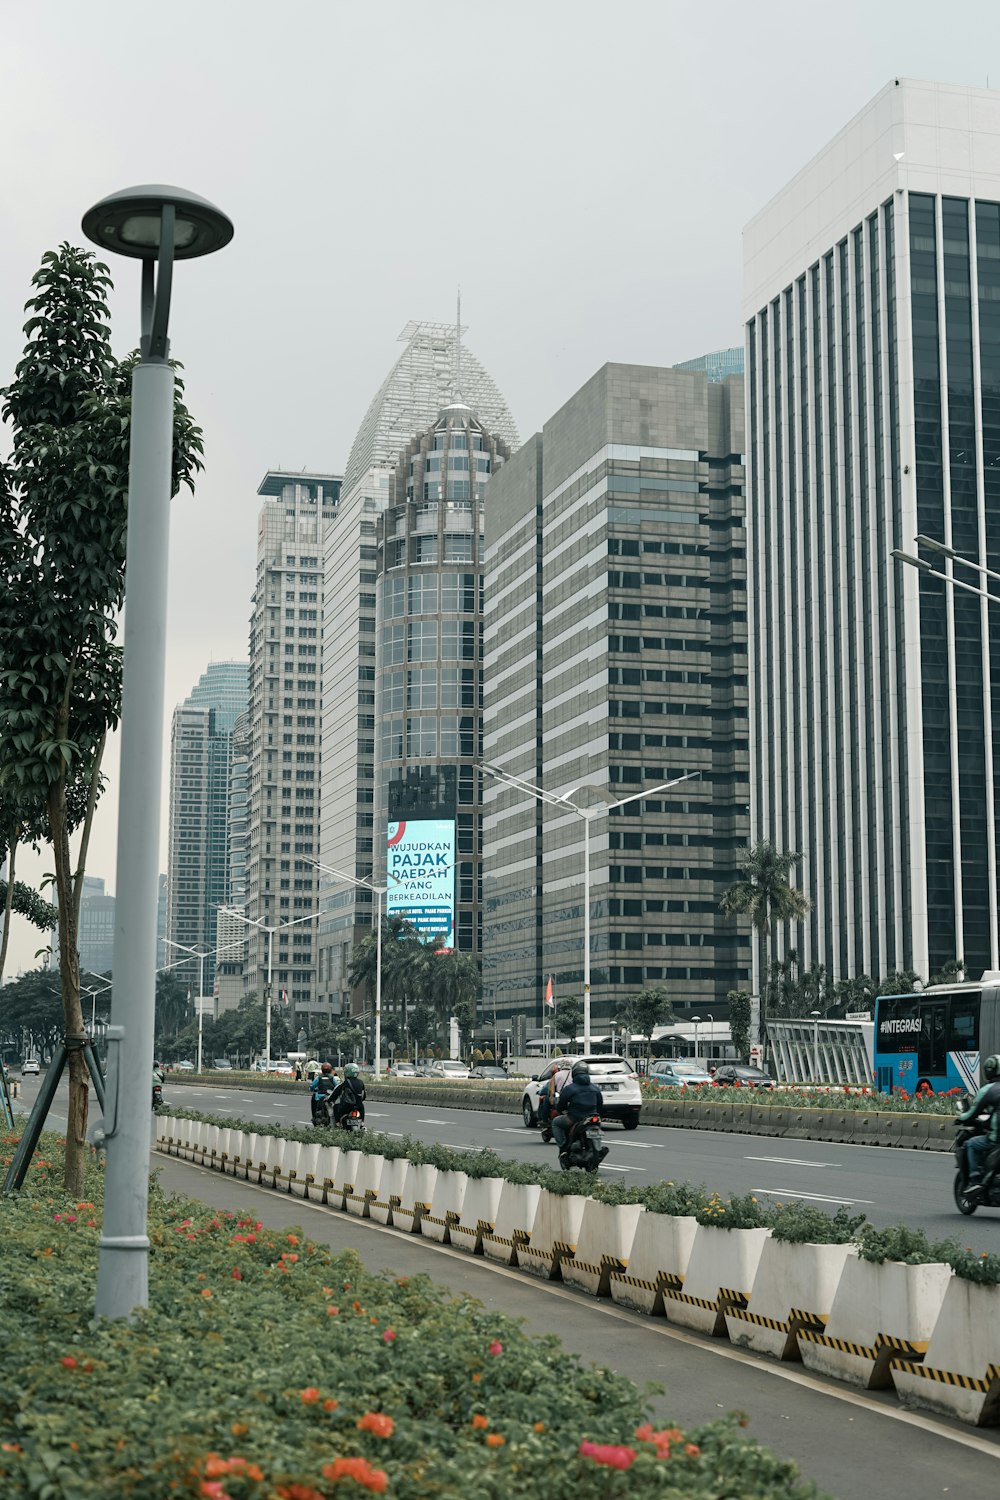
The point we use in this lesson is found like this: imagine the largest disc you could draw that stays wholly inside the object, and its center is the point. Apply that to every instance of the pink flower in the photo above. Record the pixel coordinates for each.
(496, 1347)
(609, 1454)
(389, 1337)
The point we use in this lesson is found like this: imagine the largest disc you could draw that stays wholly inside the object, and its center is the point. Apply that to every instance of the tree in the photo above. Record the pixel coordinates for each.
(452, 984)
(739, 1021)
(763, 894)
(62, 552)
(899, 982)
(15, 896)
(422, 1026)
(31, 1004)
(642, 1014)
(173, 1008)
(852, 994)
(569, 1018)
(401, 950)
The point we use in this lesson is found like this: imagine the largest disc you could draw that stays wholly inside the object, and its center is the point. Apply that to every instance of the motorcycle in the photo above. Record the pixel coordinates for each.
(585, 1146)
(325, 1117)
(352, 1121)
(157, 1095)
(984, 1194)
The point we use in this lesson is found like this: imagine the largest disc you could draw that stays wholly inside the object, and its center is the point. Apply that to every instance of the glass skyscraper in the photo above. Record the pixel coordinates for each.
(872, 307)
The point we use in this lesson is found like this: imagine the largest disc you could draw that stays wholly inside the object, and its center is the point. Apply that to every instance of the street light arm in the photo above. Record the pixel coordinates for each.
(936, 546)
(652, 791)
(925, 567)
(518, 784)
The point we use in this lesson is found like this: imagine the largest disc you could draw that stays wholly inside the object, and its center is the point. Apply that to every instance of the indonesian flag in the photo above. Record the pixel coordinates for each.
(548, 994)
(284, 997)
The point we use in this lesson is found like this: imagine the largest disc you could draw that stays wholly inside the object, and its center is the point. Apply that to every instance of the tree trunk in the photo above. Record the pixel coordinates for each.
(69, 985)
(8, 905)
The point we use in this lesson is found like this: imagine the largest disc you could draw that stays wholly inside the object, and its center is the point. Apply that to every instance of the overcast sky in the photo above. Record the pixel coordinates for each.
(583, 169)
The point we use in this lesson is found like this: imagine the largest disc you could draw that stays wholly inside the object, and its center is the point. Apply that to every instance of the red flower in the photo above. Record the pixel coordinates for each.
(478, 1420)
(237, 1274)
(358, 1469)
(496, 1347)
(377, 1422)
(309, 1395)
(68, 1362)
(610, 1454)
(389, 1337)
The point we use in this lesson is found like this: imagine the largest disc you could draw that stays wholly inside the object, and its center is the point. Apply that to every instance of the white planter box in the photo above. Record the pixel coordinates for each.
(251, 1163)
(720, 1275)
(416, 1197)
(384, 1205)
(793, 1289)
(604, 1243)
(223, 1149)
(960, 1373)
(346, 1176)
(661, 1250)
(203, 1150)
(446, 1206)
(279, 1152)
(479, 1213)
(306, 1170)
(368, 1176)
(326, 1175)
(879, 1312)
(513, 1224)
(237, 1153)
(553, 1235)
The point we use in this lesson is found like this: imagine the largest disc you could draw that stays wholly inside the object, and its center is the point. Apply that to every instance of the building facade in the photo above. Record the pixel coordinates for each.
(615, 657)
(96, 930)
(872, 308)
(198, 850)
(434, 370)
(283, 738)
(718, 365)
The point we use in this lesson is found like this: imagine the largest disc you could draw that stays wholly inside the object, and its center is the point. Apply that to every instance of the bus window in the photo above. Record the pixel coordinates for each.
(964, 1031)
(932, 1049)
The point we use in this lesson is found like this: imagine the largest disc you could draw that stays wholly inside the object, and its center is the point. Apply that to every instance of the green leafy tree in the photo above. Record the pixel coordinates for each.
(764, 894)
(16, 898)
(950, 972)
(173, 1008)
(853, 994)
(32, 1005)
(899, 982)
(401, 953)
(569, 1019)
(422, 1026)
(739, 1021)
(451, 984)
(652, 1009)
(62, 551)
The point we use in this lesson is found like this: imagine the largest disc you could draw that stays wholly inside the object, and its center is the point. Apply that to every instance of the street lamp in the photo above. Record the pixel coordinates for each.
(380, 892)
(564, 800)
(231, 911)
(711, 1035)
(201, 957)
(696, 1019)
(156, 225)
(93, 991)
(815, 1020)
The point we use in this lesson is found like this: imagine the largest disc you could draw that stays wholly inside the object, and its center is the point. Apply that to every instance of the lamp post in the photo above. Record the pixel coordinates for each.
(156, 225)
(231, 911)
(93, 991)
(815, 1020)
(711, 1034)
(564, 800)
(201, 956)
(696, 1019)
(380, 892)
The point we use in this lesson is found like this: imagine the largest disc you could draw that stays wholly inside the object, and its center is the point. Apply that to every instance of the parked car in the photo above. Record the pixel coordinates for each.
(616, 1079)
(222, 1064)
(402, 1070)
(740, 1073)
(447, 1067)
(186, 1066)
(488, 1070)
(679, 1072)
(283, 1067)
(30, 1065)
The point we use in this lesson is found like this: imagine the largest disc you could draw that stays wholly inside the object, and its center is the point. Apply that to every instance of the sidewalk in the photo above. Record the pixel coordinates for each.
(840, 1438)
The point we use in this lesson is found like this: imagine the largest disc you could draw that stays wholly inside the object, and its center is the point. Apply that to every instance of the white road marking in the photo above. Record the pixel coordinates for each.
(507, 1130)
(640, 1145)
(434, 1122)
(607, 1167)
(794, 1193)
(793, 1161)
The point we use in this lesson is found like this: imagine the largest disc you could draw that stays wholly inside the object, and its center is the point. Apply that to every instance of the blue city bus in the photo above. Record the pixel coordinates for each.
(936, 1037)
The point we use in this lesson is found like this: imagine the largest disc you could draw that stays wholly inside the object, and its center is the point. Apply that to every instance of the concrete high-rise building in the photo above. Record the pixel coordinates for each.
(434, 370)
(231, 933)
(283, 735)
(96, 930)
(615, 657)
(198, 863)
(872, 308)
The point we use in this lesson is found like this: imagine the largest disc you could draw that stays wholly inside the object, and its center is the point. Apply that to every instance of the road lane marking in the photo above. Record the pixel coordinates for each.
(608, 1167)
(816, 1197)
(507, 1130)
(793, 1161)
(640, 1145)
(435, 1122)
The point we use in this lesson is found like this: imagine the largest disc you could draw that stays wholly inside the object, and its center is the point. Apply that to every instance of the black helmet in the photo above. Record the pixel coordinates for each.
(991, 1068)
(581, 1073)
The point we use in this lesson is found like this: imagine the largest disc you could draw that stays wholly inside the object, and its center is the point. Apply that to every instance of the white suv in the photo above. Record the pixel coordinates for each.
(616, 1079)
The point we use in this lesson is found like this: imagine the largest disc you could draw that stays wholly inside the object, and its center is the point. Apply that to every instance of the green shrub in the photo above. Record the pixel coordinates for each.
(268, 1369)
(738, 1212)
(898, 1242)
(680, 1199)
(983, 1269)
(801, 1224)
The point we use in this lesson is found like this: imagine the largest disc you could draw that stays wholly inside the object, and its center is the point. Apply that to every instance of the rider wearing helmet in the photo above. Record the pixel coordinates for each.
(321, 1088)
(978, 1147)
(350, 1094)
(578, 1100)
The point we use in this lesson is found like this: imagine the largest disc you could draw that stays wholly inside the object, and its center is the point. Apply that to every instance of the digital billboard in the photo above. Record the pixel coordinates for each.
(420, 875)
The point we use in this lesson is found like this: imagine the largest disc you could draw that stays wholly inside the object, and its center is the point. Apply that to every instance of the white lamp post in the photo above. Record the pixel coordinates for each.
(380, 892)
(696, 1020)
(311, 916)
(815, 1020)
(93, 991)
(711, 1034)
(201, 956)
(564, 800)
(156, 225)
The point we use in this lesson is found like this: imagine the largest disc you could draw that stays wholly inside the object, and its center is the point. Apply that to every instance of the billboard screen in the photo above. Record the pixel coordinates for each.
(420, 871)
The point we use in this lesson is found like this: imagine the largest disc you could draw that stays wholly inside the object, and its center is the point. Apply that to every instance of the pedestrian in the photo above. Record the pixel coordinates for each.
(298, 1071)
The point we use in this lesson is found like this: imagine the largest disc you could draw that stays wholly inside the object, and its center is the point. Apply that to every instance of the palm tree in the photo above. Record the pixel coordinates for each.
(763, 894)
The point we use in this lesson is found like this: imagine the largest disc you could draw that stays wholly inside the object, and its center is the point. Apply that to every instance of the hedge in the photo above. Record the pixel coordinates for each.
(267, 1368)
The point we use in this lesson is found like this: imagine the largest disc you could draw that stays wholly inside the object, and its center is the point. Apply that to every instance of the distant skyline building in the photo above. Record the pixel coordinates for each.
(615, 657)
(197, 865)
(231, 933)
(283, 735)
(718, 365)
(872, 310)
(96, 930)
(434, 371)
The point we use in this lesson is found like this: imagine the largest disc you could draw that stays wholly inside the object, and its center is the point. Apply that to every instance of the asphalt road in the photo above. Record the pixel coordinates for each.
(888, 1184)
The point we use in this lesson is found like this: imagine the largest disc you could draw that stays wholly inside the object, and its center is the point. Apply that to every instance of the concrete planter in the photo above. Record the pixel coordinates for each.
(251, 1160)
(553, 1235)
(237, 1152)
(720, 1276)
(303, 1171)
(446, 1206)
(416, 1197)
(880, 1312)
(326, 1175)
(960, 1373)
(661, 1250)
(603, 1245)
(190, 1135)
(513, 1223)
(384, 1205)
(224, 1149)
(478, 1213)
(279, 1155)
(793, 1290)
(346, 1176)
(366, 1181)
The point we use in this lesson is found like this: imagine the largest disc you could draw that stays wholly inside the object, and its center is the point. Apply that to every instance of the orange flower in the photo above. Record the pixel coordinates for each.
(538, 1426)
(476, 1378)
(309, 1395)
(358, 1469)
(293, 1239)
(495, 1440)
(330, 1404)
(692, 1450)
(239, 1429)
(68, 1362)
(206, 1291)
(377, 1422)
(332, 1312)
(478, 1420)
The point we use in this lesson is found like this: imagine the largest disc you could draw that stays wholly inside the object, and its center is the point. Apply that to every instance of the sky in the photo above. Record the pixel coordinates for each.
(583, 170)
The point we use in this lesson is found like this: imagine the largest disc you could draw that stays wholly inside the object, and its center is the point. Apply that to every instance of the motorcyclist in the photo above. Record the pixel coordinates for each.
(557, 1080)
(576, 1101)
(987, 1099)
(321, 1088)
(350, 1094)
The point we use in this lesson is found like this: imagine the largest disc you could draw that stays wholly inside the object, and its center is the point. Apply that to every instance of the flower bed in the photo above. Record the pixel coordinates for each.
(268, 1369)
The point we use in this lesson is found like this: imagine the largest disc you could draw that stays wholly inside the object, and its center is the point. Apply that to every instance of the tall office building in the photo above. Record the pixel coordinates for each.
(434, 370)
(872, 307)
(615, 657)
(96, 930)
(197, 868)
(231, 933)
(283, 734)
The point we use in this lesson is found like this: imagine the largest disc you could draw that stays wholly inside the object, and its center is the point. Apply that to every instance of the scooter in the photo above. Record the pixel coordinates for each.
(585, 1146)
(983, 1194)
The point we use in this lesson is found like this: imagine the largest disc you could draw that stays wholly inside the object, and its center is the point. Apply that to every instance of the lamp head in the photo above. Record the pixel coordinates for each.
(128, 223)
